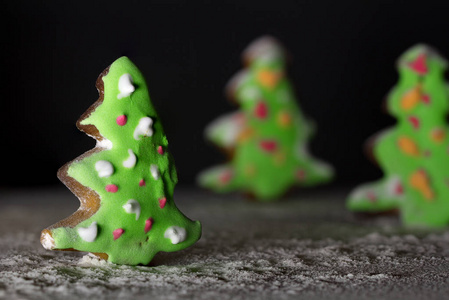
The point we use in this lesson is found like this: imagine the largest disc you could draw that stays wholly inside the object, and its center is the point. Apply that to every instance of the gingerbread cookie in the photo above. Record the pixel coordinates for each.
(266, 139)
(125, 184)
(414, 153)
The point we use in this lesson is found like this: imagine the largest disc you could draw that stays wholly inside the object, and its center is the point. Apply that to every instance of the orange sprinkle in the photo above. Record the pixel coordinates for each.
(284, 119)
(420, 181)
(269, 78)
(411, 98)
(408, 146)
(250, 170)
(279, 158)
(438, 135)
(245, 134)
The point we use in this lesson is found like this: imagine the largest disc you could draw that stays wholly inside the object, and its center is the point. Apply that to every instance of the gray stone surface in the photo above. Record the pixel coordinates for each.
(306, 246)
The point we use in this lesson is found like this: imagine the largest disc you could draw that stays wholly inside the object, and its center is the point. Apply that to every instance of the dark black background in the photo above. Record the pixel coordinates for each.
(344, 57)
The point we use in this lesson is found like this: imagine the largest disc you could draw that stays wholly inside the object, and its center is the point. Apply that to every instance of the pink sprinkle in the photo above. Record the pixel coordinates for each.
(121, 120)
(162, 202)
(261, 110)
(148, 224)
(414, 121)
(419, 64)
(117, 233)
(398, 189)
(111, 188)
(269, 146)
(142, 182)
(300, 174)
(426, 99)
(239, 118)
(160, 150)
(225, 177)
(371, 196)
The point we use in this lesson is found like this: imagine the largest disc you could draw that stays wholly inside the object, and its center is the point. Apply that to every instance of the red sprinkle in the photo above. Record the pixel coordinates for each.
(162, 202)
(160, 150)
(414, 121)
(121, 120)
(142, 182)
(117, 233)
(267, 145)
(419, 64)
(261, 110)
(148, 224)
(426, 99)
(111, 188)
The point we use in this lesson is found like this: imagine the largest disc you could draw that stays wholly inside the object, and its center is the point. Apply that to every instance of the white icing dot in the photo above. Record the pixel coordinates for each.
(176, 234)
(48, 241)
(250, 94)
(89, 234)
(125, 86)
(263, 47)
(104, 168)
(130, 162)
(143, 128)
(154, 172)
(132, 207)
(226, 129)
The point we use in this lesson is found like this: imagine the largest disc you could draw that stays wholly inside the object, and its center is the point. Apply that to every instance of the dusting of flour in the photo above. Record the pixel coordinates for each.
(309, 248)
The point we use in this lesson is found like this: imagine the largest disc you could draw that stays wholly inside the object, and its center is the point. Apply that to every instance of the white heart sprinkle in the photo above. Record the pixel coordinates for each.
(125, 86)
(154, 172)
(89, 234)
(104, 168)
(176, 234)
(132, 207)
(143, 128)
(130, 162)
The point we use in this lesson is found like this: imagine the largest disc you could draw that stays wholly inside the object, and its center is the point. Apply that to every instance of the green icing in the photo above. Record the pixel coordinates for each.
(134, 246)
(414, 153)
(268, 136)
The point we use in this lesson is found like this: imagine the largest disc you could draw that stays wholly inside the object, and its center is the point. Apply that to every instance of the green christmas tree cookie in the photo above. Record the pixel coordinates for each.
(267, 138)
(125, 184)
(414, 153)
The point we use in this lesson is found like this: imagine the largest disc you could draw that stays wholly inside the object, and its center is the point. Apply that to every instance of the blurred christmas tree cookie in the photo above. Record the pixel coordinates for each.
(125, 184)
(414, 153)
(267, 139)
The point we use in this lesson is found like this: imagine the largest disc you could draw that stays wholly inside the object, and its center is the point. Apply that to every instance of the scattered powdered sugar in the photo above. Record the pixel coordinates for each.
(309, 248)
(91, 260)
